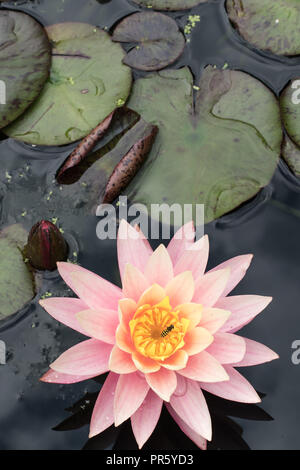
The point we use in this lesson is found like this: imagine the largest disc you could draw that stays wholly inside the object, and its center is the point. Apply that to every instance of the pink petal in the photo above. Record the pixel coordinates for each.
(205, 368)
(180, 289)
(209, 287)
(103, 413)
(87, 358)
(236, 389)
(177, 361)
(256, 353)
(99, 324)
(227, 348)
(144, 364)
(159, 268)
(64, 309)
(134, 283)
(127, 308)
(95, 291)
(163, 383)
(58, 378)
(195, 437)
(194, 258)
(133, 248)
(193, 410)
(123, 339)
(214, 318)
(243, 309)
(238, 267)
(121, 362)
(110, 293)
(145, 419)
(192, 312)
(130, 393)
(153, 295)
(197, 340)
(182, 239)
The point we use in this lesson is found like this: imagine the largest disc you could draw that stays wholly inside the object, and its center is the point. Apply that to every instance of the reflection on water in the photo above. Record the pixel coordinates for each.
(268, 227)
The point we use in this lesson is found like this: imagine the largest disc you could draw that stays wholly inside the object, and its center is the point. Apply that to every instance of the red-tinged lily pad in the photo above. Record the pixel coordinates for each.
(158, 41)
(170, 5)
(220, 152)
(16, 281)
(24, 63)
(267, 24)
(87, 81)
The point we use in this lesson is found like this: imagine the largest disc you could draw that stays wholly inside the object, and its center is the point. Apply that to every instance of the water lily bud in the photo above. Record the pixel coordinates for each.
(45, 246)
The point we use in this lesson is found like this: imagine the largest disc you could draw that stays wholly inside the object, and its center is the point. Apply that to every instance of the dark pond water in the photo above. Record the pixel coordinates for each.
(34, 415)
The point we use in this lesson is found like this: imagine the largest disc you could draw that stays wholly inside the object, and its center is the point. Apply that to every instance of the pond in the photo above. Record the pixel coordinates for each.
(36, 415)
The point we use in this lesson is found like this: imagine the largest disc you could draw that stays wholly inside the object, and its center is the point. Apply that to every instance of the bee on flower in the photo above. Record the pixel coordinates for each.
(166, 335)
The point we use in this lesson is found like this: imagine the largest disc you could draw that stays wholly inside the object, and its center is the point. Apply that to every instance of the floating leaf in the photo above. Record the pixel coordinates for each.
(291, 154)
(220, 153)
(290, 109)
(290, 112)
(24, 63)
(108, 132)
(130, 164)
(170, 4)
(85, 147)
(88, 190)
(16, 283)
(157, 37)
(87, 82)
(267, 24)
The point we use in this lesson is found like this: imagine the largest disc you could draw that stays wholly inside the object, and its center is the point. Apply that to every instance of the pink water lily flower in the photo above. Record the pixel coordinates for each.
(168, 334)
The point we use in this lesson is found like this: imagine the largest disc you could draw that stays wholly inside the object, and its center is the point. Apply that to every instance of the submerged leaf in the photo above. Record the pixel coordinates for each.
(16, 282)
(170, 4)
(87, 82)
(267, 24)
(157, 37)
(130, 164)
(220, 153)
(24, 63)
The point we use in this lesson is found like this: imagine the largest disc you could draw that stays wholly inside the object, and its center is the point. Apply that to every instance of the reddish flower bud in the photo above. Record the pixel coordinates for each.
(45, 246)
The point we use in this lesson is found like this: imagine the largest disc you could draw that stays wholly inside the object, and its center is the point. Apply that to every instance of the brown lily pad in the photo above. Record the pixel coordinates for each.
(156, 38)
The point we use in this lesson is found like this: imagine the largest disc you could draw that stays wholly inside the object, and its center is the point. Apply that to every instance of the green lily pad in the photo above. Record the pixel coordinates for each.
(291, 154)
(219, 153)
(159, 41)
(16, 282)
(267, 24)
(170, 5)
(24, 63)
(87, 81)
(290, 109)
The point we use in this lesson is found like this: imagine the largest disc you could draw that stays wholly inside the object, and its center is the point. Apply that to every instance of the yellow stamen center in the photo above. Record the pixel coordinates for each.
(157, 331)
